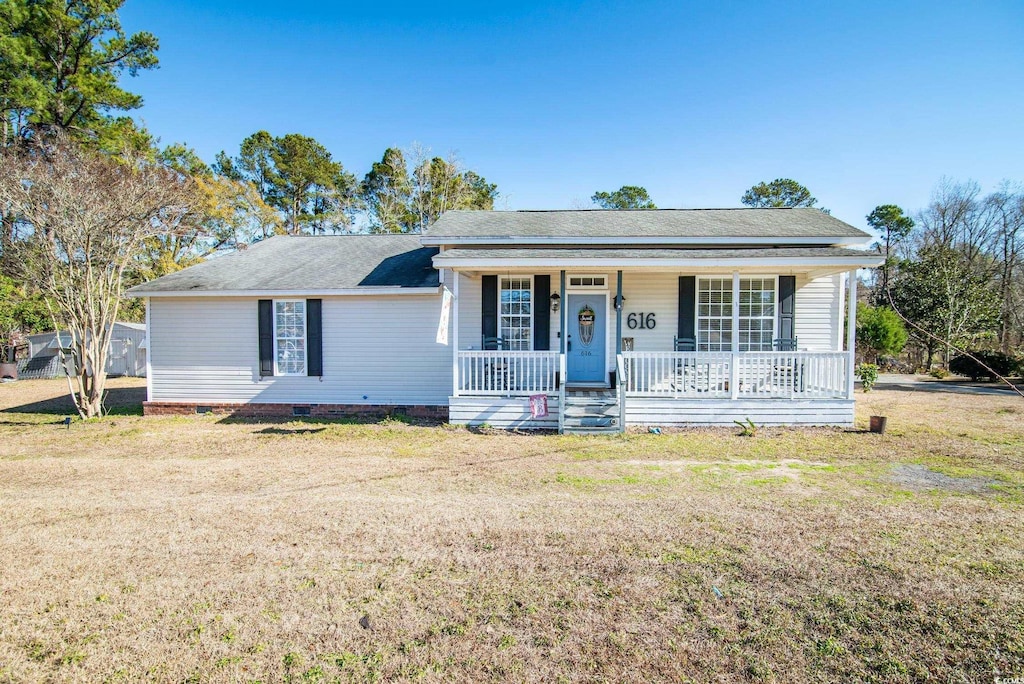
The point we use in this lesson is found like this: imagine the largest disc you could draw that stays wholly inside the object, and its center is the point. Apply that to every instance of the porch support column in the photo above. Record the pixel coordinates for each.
(561, 315)
(734, 381)
(455, 333)
(851, 331)
(618, 315)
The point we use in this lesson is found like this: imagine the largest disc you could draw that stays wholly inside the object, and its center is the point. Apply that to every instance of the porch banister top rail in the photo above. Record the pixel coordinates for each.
(669, 352)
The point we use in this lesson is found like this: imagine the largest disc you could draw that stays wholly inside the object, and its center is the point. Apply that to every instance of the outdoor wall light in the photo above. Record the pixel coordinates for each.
(556, 299)
(619, 299)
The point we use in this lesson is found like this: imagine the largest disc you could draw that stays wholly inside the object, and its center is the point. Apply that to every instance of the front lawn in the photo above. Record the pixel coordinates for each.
(204, 549)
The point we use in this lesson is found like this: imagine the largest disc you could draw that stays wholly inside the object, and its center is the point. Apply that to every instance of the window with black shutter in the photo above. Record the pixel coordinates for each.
(290, 337)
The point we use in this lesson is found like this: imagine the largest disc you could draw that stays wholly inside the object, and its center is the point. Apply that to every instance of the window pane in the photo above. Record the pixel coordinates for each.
(515, 313)
(714, 314)
(290, 337)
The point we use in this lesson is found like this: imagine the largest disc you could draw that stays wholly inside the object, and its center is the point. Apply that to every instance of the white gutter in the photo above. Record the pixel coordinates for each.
(621, 240)
(347, 292)
(606, 262)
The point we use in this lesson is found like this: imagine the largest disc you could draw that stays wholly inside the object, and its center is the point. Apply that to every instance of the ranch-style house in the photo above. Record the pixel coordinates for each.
(580, 321)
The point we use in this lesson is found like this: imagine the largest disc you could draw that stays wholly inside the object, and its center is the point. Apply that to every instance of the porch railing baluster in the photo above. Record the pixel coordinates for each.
(506, 373)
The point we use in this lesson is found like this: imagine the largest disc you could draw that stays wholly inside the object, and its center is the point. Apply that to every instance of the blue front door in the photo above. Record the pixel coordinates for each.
(585, 360)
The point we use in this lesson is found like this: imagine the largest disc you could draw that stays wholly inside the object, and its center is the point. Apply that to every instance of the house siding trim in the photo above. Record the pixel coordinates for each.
(642, 411)
(295, 294)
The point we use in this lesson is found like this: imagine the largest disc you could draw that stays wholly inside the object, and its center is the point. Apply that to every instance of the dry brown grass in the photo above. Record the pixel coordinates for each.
(199, 549)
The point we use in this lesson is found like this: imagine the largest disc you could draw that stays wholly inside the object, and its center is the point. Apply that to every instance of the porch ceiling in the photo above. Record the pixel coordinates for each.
(817, 261)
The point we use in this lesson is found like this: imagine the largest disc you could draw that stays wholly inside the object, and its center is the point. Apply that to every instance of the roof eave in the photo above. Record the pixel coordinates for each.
(269, 293)
(477, 263)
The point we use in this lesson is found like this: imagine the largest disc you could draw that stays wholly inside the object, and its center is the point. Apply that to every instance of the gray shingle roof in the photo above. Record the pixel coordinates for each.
(306, 263)
(625, 255)
(664, 223)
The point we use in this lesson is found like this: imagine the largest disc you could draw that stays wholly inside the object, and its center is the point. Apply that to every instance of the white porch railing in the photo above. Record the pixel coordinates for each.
(677, 374)
(726, 375)
(810, 375)
(507, 373)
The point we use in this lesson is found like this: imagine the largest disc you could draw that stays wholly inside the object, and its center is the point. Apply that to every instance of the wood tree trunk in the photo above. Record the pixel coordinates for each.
(6, 232)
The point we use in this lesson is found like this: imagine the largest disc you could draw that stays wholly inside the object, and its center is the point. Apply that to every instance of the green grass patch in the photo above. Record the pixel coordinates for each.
(589, 482)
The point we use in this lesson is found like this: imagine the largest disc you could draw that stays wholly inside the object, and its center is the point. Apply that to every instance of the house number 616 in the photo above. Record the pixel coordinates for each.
(644, 321)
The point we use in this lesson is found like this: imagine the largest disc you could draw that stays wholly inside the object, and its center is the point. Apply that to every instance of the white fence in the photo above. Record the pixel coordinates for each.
(507, 373)
(743, 375)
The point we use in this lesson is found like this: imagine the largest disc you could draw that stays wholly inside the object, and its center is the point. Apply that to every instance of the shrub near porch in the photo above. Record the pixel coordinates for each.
(175, 548)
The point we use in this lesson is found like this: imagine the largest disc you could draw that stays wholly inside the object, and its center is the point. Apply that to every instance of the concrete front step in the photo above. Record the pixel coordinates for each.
(590, 402)
(590, 430)
(593, 412)
(584, 411)
(590, 421)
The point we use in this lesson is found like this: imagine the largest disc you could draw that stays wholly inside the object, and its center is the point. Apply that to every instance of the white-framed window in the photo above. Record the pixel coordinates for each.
(757, 314)
(585, 281)
(290, 337)
(757, 310)
(515, 313)
(714, 314)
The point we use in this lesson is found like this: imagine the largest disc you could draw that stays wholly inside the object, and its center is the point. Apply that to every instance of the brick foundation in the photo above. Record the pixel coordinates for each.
(278, 411)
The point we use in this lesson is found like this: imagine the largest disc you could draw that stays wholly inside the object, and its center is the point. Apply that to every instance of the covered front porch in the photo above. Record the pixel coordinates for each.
(663, 343)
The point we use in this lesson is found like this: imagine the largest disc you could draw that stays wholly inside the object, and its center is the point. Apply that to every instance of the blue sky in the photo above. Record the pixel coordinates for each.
(865, 103)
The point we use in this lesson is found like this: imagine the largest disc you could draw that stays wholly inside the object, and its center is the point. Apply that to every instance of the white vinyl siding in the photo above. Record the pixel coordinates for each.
(724, 412)
(469, 302)
(648, 293)
(819, 318)
(376, 350)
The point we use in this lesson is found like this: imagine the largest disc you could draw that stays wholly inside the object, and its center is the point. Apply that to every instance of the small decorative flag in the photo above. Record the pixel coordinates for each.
(539, 405)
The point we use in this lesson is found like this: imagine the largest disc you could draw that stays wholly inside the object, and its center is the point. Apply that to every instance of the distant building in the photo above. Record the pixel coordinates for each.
(127, 354)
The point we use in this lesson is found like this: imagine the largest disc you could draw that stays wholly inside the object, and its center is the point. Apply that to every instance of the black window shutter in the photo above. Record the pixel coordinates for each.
(685, 328)
(489, 307)
(266, 316)
(541, 319)
(787, 307)
(314, 338)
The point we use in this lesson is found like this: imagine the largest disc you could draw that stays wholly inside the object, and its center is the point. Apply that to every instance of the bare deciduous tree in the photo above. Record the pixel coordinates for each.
(1005, 209)
(89, 214)
(955, 219)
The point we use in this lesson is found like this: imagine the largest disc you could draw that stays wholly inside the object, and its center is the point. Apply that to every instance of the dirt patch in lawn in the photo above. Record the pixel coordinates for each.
(922, 478)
